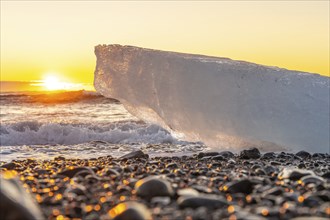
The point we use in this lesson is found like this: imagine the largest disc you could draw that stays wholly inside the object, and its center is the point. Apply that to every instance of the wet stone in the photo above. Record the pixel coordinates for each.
(312, 179)
(207, 154)
(252, 153)
(135, 154)
(303, 154)
(172, 166)
(9, 166)
(326, 175)
(153, 186)
(218, 157)
(15, 203)
(268, 155)
(71, 172)
(130, 210)
(293, 174)
(244, 186)
(204, 201)
(226, 154)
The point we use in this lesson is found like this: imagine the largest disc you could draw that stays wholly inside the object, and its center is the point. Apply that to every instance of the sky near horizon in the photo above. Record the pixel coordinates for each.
(58, 37)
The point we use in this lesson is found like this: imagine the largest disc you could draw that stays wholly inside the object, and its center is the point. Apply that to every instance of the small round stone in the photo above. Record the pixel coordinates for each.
(153, 186)
(130, 210)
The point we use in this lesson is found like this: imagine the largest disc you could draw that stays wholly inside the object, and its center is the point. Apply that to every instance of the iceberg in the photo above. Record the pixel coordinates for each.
(222, 102)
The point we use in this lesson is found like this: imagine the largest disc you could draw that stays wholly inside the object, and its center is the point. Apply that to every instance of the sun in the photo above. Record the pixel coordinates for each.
(52, 83)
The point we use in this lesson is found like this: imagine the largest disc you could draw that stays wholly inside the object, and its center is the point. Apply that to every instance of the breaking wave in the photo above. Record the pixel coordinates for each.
(36, 133)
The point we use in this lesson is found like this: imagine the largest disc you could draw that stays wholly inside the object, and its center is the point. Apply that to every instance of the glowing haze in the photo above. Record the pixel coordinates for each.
(58, 36)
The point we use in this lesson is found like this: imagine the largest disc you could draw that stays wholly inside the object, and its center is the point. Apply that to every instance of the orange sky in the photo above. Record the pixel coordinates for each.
(39, 38)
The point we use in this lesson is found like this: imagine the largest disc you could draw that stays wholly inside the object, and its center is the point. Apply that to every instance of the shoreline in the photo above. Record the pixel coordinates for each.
(205, 185)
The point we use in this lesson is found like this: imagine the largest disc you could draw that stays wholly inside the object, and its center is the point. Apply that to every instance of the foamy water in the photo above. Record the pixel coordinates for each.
(77, 124)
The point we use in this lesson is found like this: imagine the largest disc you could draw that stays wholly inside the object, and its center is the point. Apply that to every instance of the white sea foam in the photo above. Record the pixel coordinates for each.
(35, 133)
(222, 102)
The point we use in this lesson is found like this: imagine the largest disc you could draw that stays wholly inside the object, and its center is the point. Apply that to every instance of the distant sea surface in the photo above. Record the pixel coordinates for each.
(80, 124)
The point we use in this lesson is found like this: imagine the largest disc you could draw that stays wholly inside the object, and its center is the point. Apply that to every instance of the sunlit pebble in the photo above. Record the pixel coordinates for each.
(56, 212)
(286, 205)
(109, 193)
(103, 199)
(231, 209)
(229, 198)
(50, 194)
(58, 197)
(327, 211)
(97, 207)
(46, 190)
(248, 198)
(126, 182)
(232, 217)
(60, 217)
(38, 198)
(122, 198)
(88, 208)
(264, 212)
(301, 199)
(55, 188)
(188, 218)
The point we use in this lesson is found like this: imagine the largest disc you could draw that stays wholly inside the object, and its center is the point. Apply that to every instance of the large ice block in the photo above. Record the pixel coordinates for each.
(224, 103)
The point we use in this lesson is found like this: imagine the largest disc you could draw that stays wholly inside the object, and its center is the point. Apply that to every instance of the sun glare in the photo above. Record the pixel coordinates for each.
(53, 83)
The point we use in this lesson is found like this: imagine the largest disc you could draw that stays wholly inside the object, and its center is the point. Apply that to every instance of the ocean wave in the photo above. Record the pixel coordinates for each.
(59, 97)
(36, 133)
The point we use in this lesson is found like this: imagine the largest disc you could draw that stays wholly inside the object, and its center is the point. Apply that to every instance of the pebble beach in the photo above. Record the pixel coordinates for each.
(205, 185)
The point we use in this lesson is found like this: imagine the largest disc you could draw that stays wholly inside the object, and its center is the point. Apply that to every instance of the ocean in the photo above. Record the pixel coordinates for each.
(78, 124)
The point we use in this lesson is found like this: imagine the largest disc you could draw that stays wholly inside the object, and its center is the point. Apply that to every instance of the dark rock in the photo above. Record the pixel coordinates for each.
(111, 172)
(260, 172)
(268, 155)
(312, 179)
(227, 154)
(326, 175)
(172, 166)
(130, 210)
(270, 169)
(309, 218)
(301, 166)
(204, 201)
(15, 203)
(293, 174)
(153, 186)
(323, 195)
(218, 157)
(207, 154)
(252, 153)
(71, 172)
(135, 154)
(9, 166)
(275, 163)
(276, 191)
(303, 154)
(244, 186)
